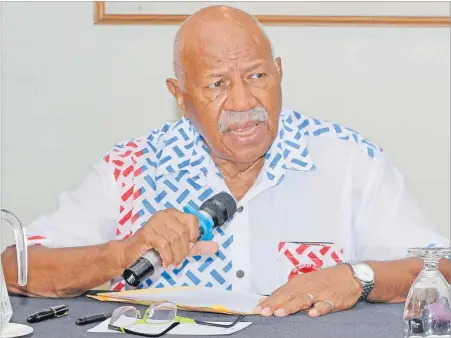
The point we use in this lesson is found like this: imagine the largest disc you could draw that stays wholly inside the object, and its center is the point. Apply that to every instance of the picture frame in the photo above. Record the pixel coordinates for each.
(319, 13)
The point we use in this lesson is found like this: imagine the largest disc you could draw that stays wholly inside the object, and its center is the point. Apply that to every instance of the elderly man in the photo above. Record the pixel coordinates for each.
(311, 194)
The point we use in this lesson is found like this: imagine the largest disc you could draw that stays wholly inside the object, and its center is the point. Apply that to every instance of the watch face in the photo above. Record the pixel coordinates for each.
(364, 273)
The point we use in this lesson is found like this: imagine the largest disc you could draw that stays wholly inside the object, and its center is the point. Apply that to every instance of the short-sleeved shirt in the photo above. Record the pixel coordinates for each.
(325, 195)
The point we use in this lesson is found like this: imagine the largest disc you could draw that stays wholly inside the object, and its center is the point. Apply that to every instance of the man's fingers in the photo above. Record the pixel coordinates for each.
(164, 250)
(191, 222)
(172, 233)
(204, 248)
(176, 247)
(168, 245)
(183, 233)
(274, 302)
(321, 308)
(295, 305)
(265, 301)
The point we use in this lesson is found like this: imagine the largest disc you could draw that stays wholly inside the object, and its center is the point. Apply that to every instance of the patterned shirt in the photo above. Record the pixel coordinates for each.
(325, 194)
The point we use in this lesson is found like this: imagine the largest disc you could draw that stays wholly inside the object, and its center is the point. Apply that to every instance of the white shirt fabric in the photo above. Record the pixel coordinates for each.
(325, 195)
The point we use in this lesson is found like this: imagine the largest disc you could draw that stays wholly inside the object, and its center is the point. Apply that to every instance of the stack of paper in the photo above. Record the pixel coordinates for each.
(188, 298)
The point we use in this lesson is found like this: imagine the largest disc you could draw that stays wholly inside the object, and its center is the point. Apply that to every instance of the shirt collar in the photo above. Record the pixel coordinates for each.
(182, 148)
(289, 150)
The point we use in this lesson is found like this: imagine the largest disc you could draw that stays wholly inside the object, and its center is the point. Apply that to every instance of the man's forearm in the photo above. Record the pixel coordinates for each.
(64, 272)
(394, 279)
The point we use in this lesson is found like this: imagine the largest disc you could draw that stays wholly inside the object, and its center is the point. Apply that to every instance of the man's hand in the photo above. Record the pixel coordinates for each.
(173, 234)
(315, 291)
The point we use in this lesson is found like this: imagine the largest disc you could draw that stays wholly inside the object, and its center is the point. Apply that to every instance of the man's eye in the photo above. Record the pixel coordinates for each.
(217, 84)
(257, 75)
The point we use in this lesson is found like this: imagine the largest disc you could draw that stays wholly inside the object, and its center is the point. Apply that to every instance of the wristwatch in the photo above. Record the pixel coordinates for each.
(364, 274)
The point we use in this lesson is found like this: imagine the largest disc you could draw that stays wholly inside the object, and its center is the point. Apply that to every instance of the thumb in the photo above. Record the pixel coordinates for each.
(204, 248)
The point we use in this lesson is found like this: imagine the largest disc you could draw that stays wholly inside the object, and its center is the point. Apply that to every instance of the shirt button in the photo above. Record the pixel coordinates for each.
(240, 273)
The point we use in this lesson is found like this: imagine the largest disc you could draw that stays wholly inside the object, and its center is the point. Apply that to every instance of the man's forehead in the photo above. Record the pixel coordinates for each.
(211, 63)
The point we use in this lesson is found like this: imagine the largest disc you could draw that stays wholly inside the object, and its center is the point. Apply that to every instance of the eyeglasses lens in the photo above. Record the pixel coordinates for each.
(124, 316)
(161, 313)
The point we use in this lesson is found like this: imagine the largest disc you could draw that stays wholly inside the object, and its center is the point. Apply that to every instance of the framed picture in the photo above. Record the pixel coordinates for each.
(281, 12)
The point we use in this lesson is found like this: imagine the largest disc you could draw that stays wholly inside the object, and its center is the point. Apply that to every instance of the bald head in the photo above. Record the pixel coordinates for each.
(228, 81)
(214, 24)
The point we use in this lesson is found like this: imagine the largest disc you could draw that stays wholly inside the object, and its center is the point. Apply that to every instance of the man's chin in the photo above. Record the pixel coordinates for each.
(248, 156)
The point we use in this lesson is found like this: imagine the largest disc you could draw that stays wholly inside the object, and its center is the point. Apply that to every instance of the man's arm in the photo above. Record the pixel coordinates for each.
(72, 249)
(317, 290)
(387, 223)
(65, 272)
(394, 279)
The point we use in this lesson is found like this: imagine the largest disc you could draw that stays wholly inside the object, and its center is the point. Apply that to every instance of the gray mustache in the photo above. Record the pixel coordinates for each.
(229, 117)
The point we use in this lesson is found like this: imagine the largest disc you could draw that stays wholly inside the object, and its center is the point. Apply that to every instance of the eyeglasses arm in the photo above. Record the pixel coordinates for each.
(136, 333)
(226, 326)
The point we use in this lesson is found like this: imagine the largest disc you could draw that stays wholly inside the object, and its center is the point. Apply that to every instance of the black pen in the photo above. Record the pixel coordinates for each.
(92, 319)
(51, 312)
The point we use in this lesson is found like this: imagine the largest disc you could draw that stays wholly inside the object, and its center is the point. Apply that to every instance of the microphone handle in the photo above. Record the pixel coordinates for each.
(147, 265)
(150, 263)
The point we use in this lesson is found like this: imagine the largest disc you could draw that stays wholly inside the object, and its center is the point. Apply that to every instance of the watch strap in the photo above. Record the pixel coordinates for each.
(367, 288)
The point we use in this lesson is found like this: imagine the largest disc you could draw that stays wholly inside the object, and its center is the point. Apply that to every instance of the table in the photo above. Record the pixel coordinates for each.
(363, 321)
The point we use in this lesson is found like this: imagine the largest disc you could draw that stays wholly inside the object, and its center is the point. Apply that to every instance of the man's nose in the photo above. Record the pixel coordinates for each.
(239, 98)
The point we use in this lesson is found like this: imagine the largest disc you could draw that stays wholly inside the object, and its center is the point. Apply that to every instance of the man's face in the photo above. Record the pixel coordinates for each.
(232, 93)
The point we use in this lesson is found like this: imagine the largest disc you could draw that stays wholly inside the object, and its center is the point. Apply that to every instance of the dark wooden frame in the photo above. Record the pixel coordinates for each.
(100, 17)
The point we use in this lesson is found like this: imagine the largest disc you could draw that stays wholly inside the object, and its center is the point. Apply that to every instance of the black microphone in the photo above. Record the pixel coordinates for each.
(214, 212)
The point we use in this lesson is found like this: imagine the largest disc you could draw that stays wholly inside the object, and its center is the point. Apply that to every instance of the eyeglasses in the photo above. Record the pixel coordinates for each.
(162, 316)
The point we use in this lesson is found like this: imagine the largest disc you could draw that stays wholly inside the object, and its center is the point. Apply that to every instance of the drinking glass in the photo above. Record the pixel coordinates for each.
(8, 329)
(427, 311)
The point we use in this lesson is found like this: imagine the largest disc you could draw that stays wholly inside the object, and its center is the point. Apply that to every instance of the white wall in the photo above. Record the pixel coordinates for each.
(72, 89)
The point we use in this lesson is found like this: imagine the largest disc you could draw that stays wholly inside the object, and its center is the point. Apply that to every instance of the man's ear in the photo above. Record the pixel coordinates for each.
(174, 87)
(279, 67)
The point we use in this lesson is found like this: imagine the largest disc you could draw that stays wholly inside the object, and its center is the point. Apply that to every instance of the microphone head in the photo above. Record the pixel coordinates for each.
(221, 208)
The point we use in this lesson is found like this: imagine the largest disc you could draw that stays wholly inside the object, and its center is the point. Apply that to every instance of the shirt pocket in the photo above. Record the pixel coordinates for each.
(295, 258)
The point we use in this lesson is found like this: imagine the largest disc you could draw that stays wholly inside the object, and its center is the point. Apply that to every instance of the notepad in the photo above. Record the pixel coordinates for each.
(189, 298)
